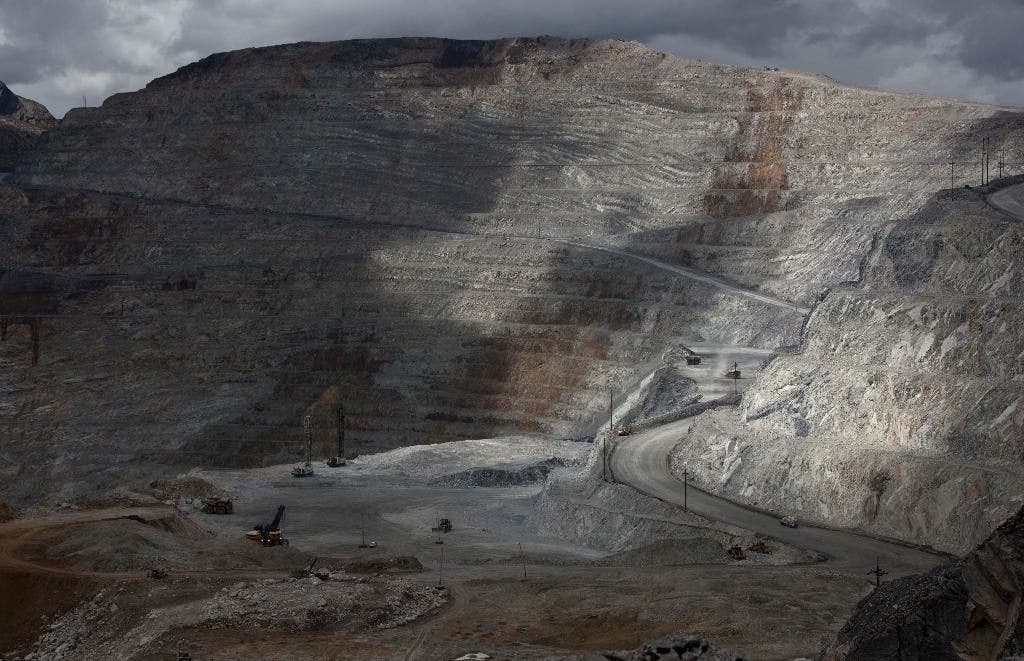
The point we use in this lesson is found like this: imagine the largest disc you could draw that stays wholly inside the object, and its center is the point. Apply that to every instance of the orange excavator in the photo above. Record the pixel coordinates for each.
(269, 534)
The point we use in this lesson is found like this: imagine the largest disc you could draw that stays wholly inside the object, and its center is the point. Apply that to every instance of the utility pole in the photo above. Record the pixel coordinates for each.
(440, 569)
(984, 157)
(686, 487)
(952, 185)
(604, 446)
(362, 530)
(983, 161)
(878, 572)
(1002, 162)
(341, 434)
(308, 431)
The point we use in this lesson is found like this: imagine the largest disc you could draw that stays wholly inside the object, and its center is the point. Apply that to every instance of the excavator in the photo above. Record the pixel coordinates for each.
(269, 534)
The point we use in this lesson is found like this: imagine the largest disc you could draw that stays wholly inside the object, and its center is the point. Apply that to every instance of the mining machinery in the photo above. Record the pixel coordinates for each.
(339, 459)
(269, 534)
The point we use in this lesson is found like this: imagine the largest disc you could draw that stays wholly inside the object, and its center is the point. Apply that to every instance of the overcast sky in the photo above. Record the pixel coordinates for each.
(56, 51)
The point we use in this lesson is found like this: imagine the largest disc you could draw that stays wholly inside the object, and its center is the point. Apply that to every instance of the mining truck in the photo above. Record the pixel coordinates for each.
(443, 525)
(269, 534)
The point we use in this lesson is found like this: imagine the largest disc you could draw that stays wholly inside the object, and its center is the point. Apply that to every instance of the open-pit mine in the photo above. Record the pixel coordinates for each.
(548, 348)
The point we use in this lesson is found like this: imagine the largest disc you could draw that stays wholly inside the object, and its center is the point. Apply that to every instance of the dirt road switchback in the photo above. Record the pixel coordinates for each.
(642, 462)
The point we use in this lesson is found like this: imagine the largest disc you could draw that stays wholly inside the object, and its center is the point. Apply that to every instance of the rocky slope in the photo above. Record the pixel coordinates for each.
(268, 233)
(901, 413)
(969, 609)
(21, 123)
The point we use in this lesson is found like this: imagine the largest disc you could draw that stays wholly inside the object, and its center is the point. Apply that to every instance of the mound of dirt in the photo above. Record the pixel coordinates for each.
(187, 487)
(502, 476)
(132, 623)
(671, 391)
(173, 542)
(128, 544)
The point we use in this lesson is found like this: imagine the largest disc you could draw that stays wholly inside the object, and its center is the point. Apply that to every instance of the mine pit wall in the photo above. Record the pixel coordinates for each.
(261, 217)
(423, 337)
(904, 415)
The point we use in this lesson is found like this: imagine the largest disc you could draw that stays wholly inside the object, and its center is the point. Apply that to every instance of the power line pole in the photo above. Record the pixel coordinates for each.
(308, 431)
(1002, 162)
(686, 487)
(440, 569)
(878, 572)
(952, 184)
(604, 446)
(362, 531)
(341, 433)
(983, 161)
(984, 156)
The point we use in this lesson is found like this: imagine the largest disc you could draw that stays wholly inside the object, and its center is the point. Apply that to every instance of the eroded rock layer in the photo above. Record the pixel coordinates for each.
(269, 233)
(901, 413)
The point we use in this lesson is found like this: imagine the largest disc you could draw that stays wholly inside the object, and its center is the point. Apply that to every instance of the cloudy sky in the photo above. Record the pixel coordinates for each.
(56, 51)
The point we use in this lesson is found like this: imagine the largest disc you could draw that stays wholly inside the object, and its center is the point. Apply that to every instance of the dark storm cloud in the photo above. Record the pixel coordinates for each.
(58, 50)
(992, 40)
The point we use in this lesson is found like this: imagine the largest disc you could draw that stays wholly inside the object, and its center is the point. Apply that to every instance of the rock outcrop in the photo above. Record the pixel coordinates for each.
(969, 609)
(190, 268)
(901, 412)
(21, 123)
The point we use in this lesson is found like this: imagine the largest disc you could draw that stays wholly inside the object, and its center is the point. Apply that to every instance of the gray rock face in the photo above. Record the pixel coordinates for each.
(273, 232)
(901, 413)
(969, 609)
(21, 123)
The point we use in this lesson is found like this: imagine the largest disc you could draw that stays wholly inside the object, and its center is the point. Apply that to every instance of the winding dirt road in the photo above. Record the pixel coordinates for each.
(642, 462)
(1010, 200)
